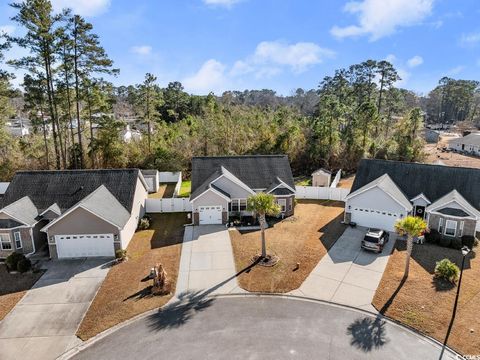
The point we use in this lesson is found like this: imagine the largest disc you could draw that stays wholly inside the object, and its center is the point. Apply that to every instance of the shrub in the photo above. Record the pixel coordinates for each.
(12, 260)
(445, 269)
(433, 236)
(144, 223)
(456, 243)
(121, 254)
(24, 265)
(445, 241)
(469, 241)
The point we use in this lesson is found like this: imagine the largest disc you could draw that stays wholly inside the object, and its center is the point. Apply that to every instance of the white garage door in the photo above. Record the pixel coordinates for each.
(210, 215)
(69, 246)
(375, 218)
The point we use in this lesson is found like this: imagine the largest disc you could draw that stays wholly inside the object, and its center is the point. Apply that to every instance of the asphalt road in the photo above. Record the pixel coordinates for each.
(261, 328)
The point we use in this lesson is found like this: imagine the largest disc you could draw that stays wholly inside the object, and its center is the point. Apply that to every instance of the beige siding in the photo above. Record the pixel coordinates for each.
(81, 221)
(321, 179)
(376, 199)
(468, 227)
(210, 198)
(138, 210)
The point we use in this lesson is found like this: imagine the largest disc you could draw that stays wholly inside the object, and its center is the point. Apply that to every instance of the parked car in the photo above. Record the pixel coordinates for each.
(375, 240)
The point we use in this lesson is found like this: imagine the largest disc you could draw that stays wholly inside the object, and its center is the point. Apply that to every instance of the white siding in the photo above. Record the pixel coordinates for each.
(138, 210)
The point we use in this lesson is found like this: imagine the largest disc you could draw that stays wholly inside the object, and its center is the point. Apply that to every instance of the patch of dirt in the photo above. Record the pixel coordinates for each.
(304, 241)
(346, 183)
(164, 191)
(126, 291)
(425, 303)
(434, 155)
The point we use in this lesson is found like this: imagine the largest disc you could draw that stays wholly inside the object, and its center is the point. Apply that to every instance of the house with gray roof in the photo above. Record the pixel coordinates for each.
(469, 144)
(448, 198)
(221, 185)
(72, 213)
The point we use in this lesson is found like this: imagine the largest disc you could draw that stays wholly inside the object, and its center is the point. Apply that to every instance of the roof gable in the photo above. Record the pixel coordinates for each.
(434, 181)
(255, 171)
(67, 187)
(22, 210)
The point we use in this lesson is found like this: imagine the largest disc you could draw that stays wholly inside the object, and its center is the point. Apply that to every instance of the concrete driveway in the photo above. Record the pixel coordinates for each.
(254, 327)
(347, 274)
(43, 324)
(207, 261)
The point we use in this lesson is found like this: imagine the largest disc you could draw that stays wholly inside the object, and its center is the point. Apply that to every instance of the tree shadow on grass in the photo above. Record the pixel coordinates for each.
(368, 333)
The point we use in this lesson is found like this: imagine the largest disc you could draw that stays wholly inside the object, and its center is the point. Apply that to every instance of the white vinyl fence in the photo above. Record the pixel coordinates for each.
(171, 177)
(321, 193)
(168, 205)
(335, 181)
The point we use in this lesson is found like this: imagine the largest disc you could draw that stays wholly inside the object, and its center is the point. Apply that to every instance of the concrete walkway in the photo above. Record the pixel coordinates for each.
(207, 263)
(43, 324)
(347, 274)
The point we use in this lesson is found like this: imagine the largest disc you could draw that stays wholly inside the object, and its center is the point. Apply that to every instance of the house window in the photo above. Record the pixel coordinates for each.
(440, 225)
(234, 206)
(283, 204)
(243, 204)
(450, 228)
(18, 239)
(5, 243)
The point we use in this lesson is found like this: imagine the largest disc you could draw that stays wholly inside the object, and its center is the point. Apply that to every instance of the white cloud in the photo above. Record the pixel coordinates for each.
(224, 3)
(141, 50)
(210, 77)
(470, 39)
(391, 58)
(415, 61)
(7, 29)
(379, 18)
(83, 7)
(456, 70)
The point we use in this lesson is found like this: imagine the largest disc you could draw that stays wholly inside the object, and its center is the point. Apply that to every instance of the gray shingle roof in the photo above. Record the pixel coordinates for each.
(470, 139)
(68, 187)
(256, 171)
(23, 210)
(435, 181)
(453, 212)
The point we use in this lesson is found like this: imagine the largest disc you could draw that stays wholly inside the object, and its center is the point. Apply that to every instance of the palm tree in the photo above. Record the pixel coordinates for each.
(412, 226)
(262, 204)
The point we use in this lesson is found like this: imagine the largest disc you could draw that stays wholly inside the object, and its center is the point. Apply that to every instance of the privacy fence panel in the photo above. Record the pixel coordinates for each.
(321, 193)
(168, 205)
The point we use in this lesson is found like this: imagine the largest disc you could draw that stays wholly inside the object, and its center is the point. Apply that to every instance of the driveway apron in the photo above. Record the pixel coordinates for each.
(348, 274)
(43, 324)
(207, 263)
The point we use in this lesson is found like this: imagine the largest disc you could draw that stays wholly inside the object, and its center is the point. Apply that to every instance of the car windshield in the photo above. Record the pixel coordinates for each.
(371, 239)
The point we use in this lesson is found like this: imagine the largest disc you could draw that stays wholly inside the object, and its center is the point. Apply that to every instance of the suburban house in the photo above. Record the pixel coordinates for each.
(448, 198)
(469, 144)
(221, 185)
(76, 213)
(322, 178)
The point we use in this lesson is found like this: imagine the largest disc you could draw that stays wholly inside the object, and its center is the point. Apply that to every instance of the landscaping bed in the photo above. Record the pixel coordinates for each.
(426, 304)
(13, 287)
(303, 238)
(125, 292)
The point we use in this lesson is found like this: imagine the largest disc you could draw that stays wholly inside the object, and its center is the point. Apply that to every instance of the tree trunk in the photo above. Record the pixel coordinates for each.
(409, 254)
(44, 128)
(69, 111)
(92, 140)
(77, 94)
(262, 227)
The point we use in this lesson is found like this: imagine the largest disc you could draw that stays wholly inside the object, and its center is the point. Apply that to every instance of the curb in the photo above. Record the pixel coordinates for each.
(77, 349)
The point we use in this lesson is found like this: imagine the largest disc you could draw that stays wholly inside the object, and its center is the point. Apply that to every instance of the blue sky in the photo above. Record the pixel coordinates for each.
(215, 45)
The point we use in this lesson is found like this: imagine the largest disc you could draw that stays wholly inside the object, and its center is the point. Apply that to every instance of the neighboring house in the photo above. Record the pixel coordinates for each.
(3, 188)
(18, 127)
(448, 198)
(469, 144)
(221, 185)
(129, 134)
(77, 213)
(431, 136)
(322, 178)
(152, 178)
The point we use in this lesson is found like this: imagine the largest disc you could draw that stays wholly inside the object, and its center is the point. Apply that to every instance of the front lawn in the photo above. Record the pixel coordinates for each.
(425, 303)
(303, 238)
(185, 188)
(125, 292)
(13, 287)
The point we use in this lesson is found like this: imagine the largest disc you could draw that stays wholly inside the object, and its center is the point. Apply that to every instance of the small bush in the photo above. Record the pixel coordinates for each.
(469, 241)
(121, 254)
(144, 223)
(24, 265)
(456, 243)
(433, 236)
(445, 269)
(12, 260)
(445, 241)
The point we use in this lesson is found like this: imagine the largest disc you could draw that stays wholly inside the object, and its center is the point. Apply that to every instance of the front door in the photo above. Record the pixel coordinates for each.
(420, 211)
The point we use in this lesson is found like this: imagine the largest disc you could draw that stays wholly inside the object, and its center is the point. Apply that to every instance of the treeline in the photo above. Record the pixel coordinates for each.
(78, 116)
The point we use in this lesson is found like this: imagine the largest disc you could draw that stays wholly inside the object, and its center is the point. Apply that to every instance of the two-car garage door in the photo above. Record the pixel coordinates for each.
(374, 218)
(69, 246)
(210, 215)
